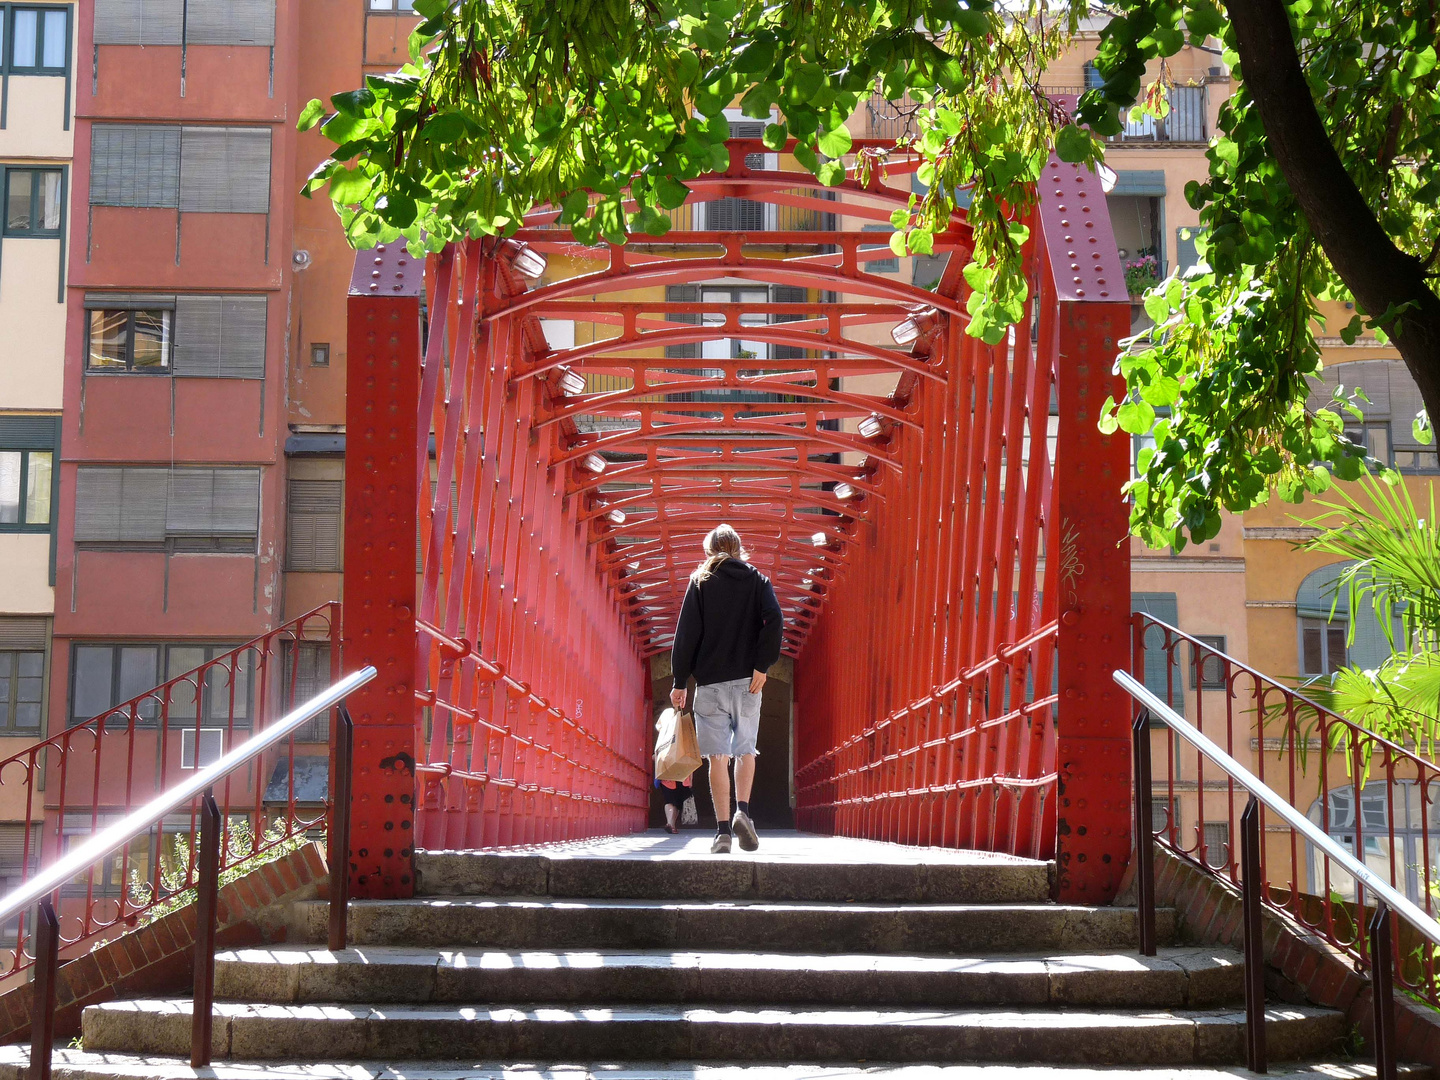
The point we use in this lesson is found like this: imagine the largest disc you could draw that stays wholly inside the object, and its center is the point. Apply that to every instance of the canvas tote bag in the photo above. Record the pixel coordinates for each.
(677, 753)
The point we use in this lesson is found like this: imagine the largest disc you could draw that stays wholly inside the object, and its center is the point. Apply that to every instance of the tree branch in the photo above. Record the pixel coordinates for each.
(1376, 272)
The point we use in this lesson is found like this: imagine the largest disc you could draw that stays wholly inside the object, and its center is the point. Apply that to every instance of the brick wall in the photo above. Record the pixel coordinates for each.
(1299, 966)
(158, 958)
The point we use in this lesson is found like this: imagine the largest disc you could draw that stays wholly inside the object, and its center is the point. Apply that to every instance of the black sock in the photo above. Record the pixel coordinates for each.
(724, 828)
(743, 805)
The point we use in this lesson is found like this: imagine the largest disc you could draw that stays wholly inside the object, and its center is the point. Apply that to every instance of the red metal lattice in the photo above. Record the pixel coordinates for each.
(570, 483)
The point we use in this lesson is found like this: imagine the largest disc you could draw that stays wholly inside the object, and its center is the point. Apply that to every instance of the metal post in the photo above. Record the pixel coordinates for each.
(1382, 988)
(1144, 837)
(207, 892)
(1255, 1056)
(42, 1007)
(338, 855)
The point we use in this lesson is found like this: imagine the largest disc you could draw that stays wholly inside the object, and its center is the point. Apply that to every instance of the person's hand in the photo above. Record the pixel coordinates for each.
(677, 698)
(757, 681)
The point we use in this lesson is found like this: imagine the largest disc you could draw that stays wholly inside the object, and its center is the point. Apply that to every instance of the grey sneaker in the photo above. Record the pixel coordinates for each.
(721, 846)
(744, 828)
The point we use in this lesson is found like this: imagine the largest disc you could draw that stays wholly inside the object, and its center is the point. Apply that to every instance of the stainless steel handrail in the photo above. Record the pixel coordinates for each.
(1396, 901)
(142, 820)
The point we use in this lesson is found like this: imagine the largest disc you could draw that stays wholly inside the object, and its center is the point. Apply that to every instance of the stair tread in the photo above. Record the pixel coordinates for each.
(617, 903)
(1176, 958)
(600, 1013)
(159, 1067)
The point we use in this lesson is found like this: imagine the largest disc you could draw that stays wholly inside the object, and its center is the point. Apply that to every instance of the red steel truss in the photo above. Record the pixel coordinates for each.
(955, 591)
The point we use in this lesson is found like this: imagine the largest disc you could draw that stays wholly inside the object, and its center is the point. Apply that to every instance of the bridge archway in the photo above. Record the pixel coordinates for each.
(941, 519)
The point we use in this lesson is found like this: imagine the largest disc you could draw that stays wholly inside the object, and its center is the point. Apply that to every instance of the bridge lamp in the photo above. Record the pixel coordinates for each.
(913, 325)
(616, 517)
(844, 491)
(871, 426)
(1107, 176)
(525, 260)
(820, 539)
(572, 383)
(594, 462)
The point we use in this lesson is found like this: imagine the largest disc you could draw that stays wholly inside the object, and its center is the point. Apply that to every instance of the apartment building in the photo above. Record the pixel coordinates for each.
(37, 139)
(172, 387)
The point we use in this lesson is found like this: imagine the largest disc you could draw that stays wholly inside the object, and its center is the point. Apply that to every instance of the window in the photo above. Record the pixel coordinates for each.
(190, 22)
(212, 747)
(1417, 461)
(1163, 676)
(313, 525)
(320, 354)
(307, 673)
(192, 169)
(39, 40)
(210, 337)
(1207, 671)
(180, 510)
(22, 689)
(392, 5)
(104, 676)
(880, 266)
(33, 202)
(1160, 814)
(148, 22)
(1217, 844)
(1093, 78)
(1326, 640)
(26, 480)
(1406, 858)
(19, 858)
(135, 340)
(1374, 437)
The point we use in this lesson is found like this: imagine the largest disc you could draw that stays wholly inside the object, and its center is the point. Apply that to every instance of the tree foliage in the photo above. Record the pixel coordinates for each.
(1230, 361)
(606, 108)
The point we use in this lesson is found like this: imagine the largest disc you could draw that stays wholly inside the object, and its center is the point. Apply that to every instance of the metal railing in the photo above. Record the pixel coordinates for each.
(87, 776)
(1186, 121)
(1256, 890)
(41, 889)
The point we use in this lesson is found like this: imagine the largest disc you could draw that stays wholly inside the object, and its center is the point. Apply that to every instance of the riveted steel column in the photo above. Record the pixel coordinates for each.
(1093, 740)
(381, 412)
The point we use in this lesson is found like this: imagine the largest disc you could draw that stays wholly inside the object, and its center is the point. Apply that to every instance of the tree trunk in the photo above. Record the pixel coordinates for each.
(1375, 271)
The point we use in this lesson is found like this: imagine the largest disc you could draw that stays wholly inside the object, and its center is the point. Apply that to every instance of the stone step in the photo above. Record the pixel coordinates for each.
(70, 1064)
(1177, 978)
(669, 1032)
(525, 923)
(940, 876)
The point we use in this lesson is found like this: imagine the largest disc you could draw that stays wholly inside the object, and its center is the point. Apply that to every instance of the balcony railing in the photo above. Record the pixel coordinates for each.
(1186, 122)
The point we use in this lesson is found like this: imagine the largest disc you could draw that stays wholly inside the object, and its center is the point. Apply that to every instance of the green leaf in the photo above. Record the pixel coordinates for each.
(836, 142)
(311, 115)
(353, 102)
(1073, 144)
(831, 173)
(776, 135)
(670, 192)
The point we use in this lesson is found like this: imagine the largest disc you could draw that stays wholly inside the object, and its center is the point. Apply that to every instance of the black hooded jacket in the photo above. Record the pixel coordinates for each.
(729, 626)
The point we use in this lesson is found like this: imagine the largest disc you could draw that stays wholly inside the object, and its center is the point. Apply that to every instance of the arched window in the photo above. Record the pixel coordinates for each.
(1406, 853)
(1325, 644)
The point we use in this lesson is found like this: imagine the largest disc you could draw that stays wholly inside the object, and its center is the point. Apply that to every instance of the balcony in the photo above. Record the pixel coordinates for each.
(1186, 123)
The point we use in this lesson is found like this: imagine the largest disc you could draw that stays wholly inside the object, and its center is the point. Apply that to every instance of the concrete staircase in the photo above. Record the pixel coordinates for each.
(836, 954)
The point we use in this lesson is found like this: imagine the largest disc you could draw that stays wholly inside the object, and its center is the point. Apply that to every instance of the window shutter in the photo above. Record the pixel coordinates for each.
(788, 294)
(119, 504)
(138, 22)
(1375, 377)
(24, 633)
(683, 294)
(128, 301)
(1160, 673)
(1317, 596)
(230, 22)
(314, 525)
(134, 165)
(28, 432)
(220, 337)
(225, 170)
(1405, 406)
(213, 502)
(13, 859)
(1185, 254)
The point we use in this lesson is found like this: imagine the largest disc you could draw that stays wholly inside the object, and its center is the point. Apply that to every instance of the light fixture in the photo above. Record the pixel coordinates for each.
(913, 325)
(871, 426)
(617, 517)
(844, 491)
(594, 462)
(807, 582)
(819, 539)
(1108, 178)
(572, 382)
(524, 259)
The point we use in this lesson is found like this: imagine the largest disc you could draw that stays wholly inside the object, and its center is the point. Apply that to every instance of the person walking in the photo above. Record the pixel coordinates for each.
(728, 635)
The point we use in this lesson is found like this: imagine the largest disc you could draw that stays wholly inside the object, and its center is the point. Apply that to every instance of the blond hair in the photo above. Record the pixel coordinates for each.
(721, 543)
